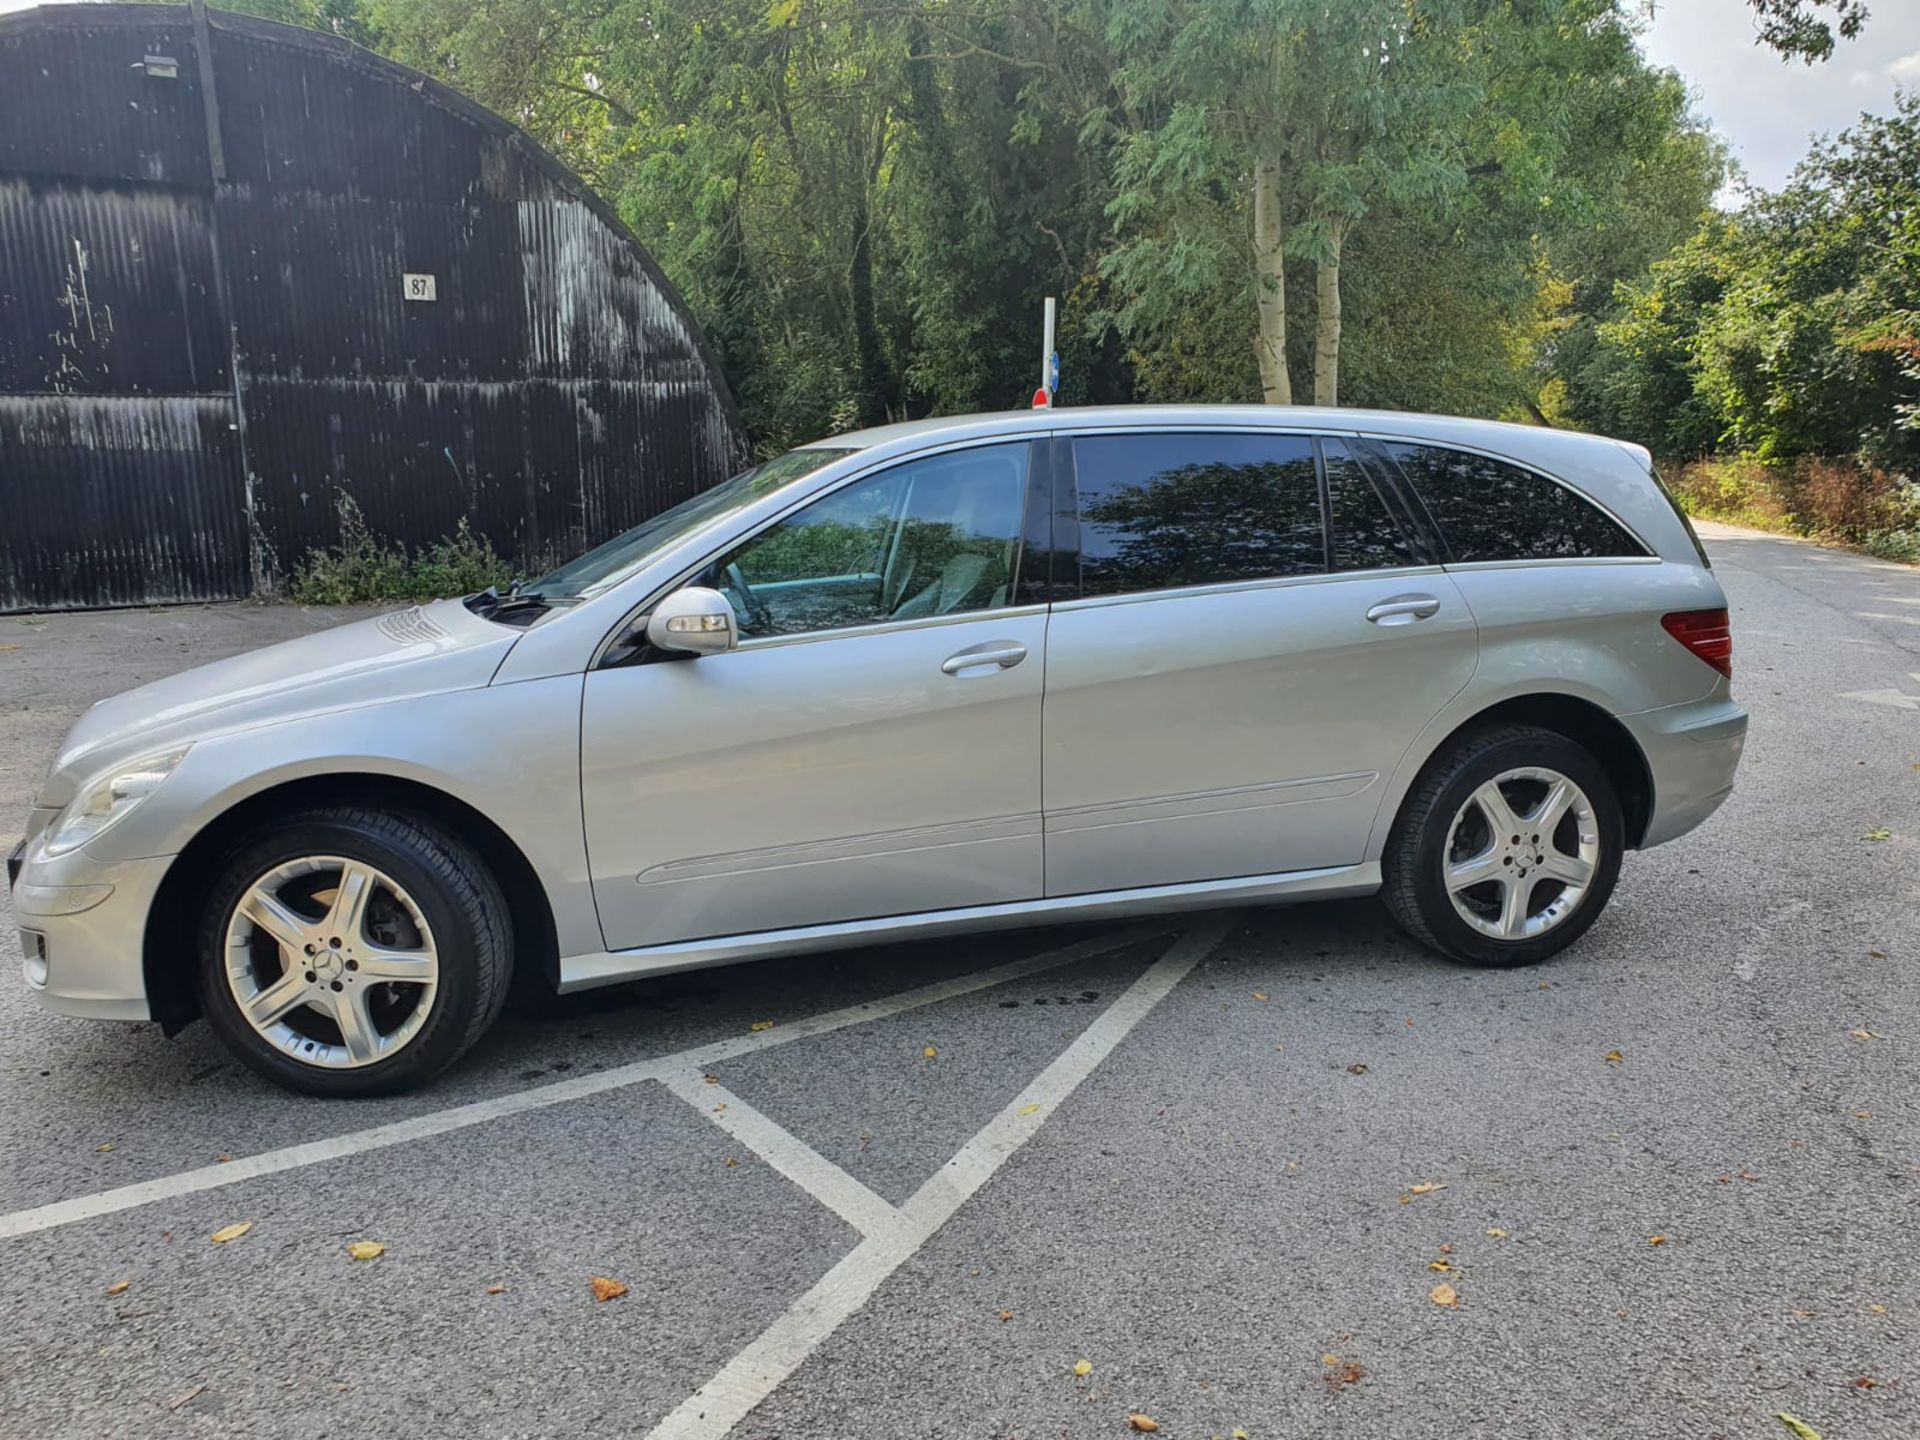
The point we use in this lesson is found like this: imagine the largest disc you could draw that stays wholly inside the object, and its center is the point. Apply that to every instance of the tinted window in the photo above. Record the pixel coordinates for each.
(1364, 534)
(1493, 511)
(1159, 511)
(931, 537)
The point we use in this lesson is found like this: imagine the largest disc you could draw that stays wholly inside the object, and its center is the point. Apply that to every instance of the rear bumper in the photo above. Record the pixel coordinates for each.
(83, 930)
(1692, 751)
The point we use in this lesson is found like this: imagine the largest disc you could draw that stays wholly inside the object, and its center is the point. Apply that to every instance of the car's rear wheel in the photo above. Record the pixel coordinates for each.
(353, 952)
(1507, 849)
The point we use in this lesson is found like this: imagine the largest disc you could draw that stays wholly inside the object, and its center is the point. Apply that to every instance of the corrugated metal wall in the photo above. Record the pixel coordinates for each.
(204, 340)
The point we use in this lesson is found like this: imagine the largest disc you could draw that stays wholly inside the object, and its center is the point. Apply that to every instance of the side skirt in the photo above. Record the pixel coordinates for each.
(584, 972)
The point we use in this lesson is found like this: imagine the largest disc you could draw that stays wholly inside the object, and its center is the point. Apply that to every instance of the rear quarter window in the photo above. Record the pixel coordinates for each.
(1490, 510)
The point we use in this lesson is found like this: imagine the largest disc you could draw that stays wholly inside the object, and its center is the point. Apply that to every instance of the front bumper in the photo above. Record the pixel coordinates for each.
(1692, 751)
(83, 931)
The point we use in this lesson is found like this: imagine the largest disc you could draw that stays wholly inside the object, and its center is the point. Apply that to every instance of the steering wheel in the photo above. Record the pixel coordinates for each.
(758, 616)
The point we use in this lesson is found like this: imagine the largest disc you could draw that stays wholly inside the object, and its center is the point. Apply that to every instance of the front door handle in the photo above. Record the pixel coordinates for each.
(1004, 653)
(1404, 609)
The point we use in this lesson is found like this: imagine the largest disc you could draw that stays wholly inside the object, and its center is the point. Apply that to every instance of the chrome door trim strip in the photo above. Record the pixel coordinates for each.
(1208, 802)
(846, 847)
(1241, 587)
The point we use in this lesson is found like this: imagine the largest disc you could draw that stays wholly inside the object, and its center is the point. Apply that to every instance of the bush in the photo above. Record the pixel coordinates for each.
(365, 567)
(1842, 501)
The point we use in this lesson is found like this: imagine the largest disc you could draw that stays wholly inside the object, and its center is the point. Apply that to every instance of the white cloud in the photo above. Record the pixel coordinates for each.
(1907, 67)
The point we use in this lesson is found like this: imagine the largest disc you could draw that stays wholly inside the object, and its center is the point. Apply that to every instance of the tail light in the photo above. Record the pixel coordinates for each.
(1706, 633)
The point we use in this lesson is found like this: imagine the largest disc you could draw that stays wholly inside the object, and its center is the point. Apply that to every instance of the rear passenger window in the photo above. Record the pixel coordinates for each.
(1162, 511)
(1489, 510)
(1364, 534)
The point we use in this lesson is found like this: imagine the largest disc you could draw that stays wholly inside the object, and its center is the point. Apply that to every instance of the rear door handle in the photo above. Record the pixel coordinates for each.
(1404, 609)
(1004, 653)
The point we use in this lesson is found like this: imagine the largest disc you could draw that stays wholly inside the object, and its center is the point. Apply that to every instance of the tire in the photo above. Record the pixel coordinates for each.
(352, 1002)
(1443, 839)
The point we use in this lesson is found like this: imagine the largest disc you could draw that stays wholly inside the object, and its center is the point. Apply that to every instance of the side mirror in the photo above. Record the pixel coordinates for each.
(695, 619)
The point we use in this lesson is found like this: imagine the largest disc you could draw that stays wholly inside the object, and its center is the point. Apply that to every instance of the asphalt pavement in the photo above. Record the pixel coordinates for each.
(1210, 1171)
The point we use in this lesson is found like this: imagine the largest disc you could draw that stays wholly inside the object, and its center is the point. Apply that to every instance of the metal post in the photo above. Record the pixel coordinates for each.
(1046, 349)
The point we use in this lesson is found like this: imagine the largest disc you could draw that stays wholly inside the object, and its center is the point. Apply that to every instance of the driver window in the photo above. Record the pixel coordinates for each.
(939, 536)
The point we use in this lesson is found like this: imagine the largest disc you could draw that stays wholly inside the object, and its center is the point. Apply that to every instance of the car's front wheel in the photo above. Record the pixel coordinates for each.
(1507, 848)
(349, 952)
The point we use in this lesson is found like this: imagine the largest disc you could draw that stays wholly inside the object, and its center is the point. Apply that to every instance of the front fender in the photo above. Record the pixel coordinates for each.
(511, 752)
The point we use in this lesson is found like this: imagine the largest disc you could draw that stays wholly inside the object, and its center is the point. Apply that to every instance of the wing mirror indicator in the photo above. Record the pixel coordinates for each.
(694, 619)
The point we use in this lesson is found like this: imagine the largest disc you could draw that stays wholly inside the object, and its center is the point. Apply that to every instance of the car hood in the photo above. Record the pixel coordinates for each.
(424, 650)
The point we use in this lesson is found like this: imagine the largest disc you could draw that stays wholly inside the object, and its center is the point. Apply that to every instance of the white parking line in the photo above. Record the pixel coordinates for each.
(853, 1202)
(423, 1127)
(757, 1371)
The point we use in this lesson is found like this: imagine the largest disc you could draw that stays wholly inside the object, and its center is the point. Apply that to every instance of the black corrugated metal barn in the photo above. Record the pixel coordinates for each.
(246, 268)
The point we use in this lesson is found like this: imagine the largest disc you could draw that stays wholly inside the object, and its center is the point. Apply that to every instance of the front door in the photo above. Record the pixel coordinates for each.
(1255, 647)
(872, 747)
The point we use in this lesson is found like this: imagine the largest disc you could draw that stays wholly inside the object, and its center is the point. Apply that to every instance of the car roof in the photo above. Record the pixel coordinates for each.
(1539, 444)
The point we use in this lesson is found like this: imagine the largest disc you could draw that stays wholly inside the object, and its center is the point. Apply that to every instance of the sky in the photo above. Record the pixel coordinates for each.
(1767, 108)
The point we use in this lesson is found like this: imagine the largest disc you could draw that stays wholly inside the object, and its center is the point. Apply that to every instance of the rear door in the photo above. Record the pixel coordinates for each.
(1259, 635)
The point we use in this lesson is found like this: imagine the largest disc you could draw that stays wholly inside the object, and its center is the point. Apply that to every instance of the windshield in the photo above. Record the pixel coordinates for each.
(627, 552)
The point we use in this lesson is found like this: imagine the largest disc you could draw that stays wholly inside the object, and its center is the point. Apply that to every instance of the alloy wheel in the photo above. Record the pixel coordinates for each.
(1522, 853)
(331, 961)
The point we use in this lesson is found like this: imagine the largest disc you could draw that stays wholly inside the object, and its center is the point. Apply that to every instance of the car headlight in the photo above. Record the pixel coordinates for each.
(105, 801)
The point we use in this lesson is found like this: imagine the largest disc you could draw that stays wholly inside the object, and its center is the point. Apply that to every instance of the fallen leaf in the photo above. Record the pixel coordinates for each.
(1614, 1057)
(1863, 1034)
(1440, 1267)
(1446, 1249)
(1329, 1359)
(1348, 1374)
(1005, 1315)
(1259, 994)
(179, 1400)
(366, 1249)
(1445, 1294)
(605, 1289)
(1798, 1426)
(1498, 1234)
(1879, 832)
(1656, 1239)
(1356, 1069)
(711, 1079)
(930, 1052)
(1029, 1109)
(721, 1106)
(1865, 1382)
(230, 1232)
(1425, 1187)
(762, 1025)
(496, 1289)
(1144, 1423)
(1878, 1309)
(1083, 1367)
(1240, 1433)
(1410, 1022)
(223, 1159)
(103, 1149)
(1876, 954)
(119, 1287)
(732, 1164)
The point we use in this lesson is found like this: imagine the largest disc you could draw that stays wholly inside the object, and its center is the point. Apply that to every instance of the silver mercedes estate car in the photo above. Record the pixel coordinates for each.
(952, 674)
